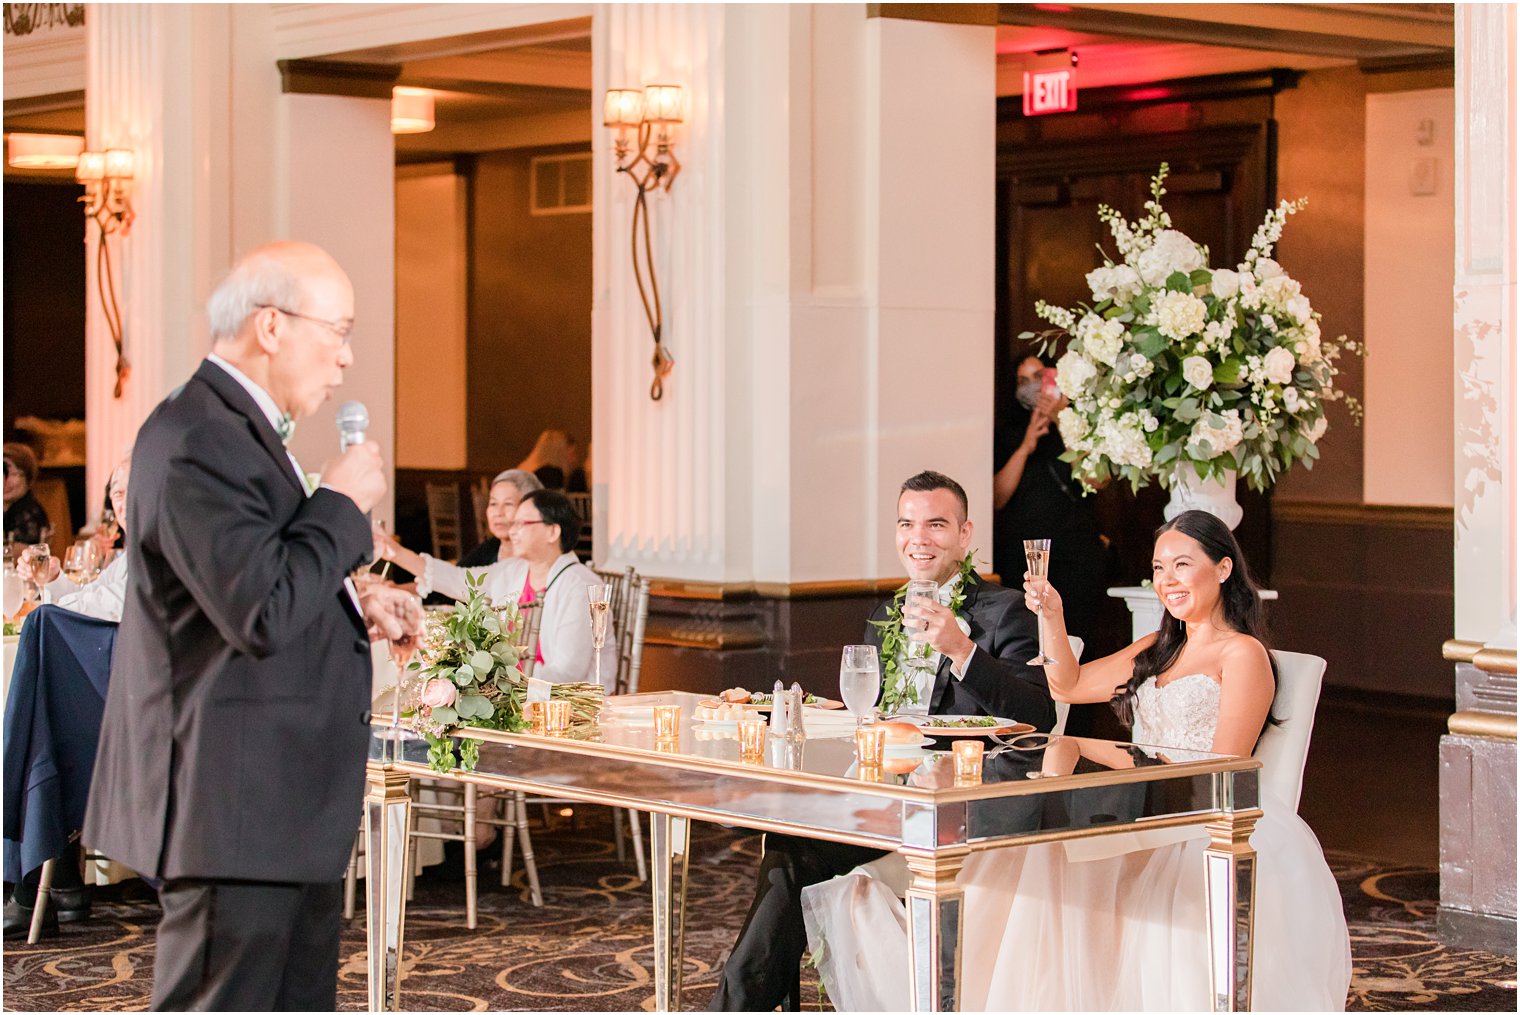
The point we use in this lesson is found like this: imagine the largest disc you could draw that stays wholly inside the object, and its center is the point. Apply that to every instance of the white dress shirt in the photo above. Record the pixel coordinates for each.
(564, 635)
(102, 598)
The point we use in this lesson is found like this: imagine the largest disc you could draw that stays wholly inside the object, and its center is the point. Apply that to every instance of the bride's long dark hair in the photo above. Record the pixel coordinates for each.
(1238, 594)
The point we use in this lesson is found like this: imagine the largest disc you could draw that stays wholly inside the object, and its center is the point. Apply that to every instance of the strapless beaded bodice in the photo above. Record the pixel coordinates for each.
(1183, 714)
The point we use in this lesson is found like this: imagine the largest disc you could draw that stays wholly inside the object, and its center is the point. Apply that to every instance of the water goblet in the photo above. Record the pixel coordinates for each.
(1037, 557)
(860, 681)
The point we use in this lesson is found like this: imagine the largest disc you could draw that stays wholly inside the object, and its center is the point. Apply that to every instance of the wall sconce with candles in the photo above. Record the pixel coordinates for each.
(645, 151)
(107, 178)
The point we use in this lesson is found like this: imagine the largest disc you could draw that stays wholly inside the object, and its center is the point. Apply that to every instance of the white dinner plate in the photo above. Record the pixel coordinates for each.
(1004, 727)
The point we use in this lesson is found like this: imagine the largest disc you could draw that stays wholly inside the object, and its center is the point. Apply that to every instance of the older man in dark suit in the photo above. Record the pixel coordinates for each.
(981, 670)
(231, 762)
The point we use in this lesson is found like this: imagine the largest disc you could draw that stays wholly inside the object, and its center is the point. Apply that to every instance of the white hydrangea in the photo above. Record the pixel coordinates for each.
(1170, 251)
(1308, 347)
(1210, 439)
(1117, 282)
(1279, 289)
(1298, 308)
(1179, 315)
(1101, 339)
(1122, 440)
(1224, 284)
(1073, 426)
(1073, 374)
(1277, 366)
(1197, 372)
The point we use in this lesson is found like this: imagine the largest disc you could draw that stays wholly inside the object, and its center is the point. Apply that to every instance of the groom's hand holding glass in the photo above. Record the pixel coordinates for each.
(927, 622)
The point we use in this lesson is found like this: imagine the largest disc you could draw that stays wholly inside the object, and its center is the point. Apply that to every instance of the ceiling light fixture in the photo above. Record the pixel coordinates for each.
(411, 110)
(43, 151)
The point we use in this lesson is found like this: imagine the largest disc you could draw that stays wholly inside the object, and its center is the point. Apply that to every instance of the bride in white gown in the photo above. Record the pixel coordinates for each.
(1060, 927)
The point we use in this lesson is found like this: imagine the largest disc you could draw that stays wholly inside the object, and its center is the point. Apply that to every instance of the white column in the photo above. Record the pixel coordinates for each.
(157, 78)
(827, 282)
(1484, 420)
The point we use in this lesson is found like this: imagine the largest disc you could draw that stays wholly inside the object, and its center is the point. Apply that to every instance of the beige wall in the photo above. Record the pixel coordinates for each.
(1321, 130)
(1407, 437)
(430, 317)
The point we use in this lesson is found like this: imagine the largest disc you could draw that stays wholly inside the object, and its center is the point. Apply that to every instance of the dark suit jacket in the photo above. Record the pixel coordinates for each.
(235, 728)
(997, 680)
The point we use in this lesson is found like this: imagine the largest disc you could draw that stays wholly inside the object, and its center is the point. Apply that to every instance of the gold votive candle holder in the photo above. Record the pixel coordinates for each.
(870, 743)
(667, 722)
(752, 739)
(556, 716)
(968, 761)
(533, 712)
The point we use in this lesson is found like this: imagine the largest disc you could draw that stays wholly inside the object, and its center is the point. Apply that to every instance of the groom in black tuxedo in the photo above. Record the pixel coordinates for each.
(231, 760)
(982, 671)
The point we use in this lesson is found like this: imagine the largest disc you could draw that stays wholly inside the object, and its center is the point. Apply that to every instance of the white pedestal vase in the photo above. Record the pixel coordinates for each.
(1217, 497)
(1145, 608)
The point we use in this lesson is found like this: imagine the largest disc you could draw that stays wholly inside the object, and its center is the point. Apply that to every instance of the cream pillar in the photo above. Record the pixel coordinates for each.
(1478, 904)
(156, 82)
(827, 281)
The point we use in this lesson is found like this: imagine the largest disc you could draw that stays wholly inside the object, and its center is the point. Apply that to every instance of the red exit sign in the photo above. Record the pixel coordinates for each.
(1050, 91)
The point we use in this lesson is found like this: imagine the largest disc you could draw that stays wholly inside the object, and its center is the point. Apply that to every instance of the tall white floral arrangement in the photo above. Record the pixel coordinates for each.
(1177, 365)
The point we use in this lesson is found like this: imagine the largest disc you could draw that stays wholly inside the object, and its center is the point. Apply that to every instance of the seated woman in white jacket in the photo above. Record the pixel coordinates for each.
(104, 597)
(542, 568)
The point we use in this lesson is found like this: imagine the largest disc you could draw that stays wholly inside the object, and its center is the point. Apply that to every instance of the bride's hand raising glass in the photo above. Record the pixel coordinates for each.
(1041, 597)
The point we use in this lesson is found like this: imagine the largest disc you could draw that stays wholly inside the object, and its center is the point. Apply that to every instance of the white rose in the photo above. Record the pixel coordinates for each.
(1119, 283)
(1197, 372)
(1317, 430)
(1225, 284)
(1073, 374)
(1278, 365)
(1298, 308)
(1267, 268)
(1291, 401)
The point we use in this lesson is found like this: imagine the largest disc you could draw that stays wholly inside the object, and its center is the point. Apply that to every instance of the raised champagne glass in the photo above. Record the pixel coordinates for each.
(599, 599)
(1037, 558)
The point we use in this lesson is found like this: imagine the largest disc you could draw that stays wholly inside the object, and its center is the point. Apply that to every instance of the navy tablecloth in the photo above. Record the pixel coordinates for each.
(52, 729)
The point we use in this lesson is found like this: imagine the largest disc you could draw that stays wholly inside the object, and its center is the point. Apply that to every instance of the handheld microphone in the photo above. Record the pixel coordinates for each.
(353, 420)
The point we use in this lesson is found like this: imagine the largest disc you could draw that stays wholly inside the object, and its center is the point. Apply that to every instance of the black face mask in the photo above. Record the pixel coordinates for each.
(1028, 392)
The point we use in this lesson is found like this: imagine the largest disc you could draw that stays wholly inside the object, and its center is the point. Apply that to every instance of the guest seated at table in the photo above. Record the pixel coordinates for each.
(507, 491)
(25, 519)
(977, 669)
(1056, 929)
(103, 597)
(543, 569)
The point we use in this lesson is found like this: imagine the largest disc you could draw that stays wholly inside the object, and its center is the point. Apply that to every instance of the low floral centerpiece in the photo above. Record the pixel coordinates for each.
(467, 673)
(1182, 373)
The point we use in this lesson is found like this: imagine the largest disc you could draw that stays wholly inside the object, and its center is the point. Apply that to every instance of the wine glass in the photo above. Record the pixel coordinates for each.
(81, 561)
(599, 600)
(1037, 557)
(860, 681)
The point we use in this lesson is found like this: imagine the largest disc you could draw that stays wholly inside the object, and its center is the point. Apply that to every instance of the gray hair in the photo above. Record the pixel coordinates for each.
(524, 480)
(256, 281)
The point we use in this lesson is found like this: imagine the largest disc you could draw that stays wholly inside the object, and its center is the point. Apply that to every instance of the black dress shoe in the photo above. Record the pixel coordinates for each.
(18, 920)
(71, 904)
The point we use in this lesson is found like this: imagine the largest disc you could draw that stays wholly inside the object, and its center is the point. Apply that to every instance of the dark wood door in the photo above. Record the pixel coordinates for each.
(1049, 237)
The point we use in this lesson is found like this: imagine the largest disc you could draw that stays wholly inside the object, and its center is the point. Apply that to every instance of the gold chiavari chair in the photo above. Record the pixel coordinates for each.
(443, 519)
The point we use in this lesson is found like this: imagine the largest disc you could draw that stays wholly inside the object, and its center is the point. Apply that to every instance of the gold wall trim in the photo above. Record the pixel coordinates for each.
(1495, 660)
(332, 77)
(946, 14)
(1482, 724)
(1457, 651)
(843, 588)
(1306, 512)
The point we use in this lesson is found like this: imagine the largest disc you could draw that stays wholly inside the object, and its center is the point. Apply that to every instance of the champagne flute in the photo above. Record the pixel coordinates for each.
(860, 681)
(33, 567)
(599, 599)
(1037, 557)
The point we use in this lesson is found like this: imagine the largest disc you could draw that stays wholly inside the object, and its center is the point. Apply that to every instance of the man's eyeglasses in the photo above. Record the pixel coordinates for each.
(336, 327)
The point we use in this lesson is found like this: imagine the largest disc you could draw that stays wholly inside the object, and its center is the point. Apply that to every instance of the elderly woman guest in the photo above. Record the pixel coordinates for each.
(543, 570)
(507, 490)
(25, 518)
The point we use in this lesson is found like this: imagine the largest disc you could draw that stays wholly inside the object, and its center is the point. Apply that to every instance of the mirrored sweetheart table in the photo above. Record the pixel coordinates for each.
(1115, 796)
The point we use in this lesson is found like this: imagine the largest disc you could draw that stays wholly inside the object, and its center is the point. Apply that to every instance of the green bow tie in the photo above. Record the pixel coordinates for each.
(286, 427)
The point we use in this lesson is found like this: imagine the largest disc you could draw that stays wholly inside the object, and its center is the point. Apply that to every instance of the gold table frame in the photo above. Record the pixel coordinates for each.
(935, 829)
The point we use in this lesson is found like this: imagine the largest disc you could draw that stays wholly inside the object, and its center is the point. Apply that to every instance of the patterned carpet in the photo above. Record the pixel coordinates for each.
(590, 947)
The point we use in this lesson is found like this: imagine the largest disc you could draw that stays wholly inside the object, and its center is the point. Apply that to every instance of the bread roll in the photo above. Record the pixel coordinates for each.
(900, 732)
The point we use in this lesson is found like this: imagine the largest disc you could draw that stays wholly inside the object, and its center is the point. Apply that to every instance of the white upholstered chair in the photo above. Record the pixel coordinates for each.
(1284, 748)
